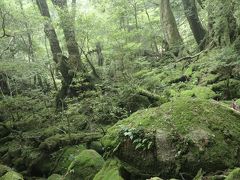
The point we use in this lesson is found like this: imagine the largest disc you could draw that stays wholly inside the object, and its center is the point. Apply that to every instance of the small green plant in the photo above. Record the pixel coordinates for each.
(139, 138)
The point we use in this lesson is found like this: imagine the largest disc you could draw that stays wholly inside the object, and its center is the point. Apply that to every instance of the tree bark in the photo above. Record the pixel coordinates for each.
(222, 24)
(169, 26)
(67, 23)
(50, 31)
(58, 56)
(99, 54)
(194, 22)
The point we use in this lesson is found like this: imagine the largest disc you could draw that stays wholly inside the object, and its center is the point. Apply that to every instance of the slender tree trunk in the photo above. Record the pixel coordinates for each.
(151, 26)
(99, 54)
(198, 31)
(29, 35)
(224, 30)
(170, 29)
(50, 31)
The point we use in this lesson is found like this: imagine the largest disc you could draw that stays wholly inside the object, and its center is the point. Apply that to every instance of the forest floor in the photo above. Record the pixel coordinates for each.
(82, 141)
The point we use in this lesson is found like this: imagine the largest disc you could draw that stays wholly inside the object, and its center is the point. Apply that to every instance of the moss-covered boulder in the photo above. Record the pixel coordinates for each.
(227, 89)
(85, 166)
(199, 92)
(44, 164)
(234, 175)
(65, 156)
(184, 135)
(238, 102)
(109, 171)
(4, 169)
(12, 175)
(55, 177)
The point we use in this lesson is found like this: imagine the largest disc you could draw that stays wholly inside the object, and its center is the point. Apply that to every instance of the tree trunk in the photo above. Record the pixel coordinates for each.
(169, 26)
(50, 31)
(67, 23)
(194, 22)
(57, 54)
(29, 35)
(222, 23)
(99, 54)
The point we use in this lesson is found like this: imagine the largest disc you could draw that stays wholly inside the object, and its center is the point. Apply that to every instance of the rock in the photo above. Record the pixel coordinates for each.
(134, 102)
(55, 177)
(4, 131)
(110, 171)
(85, 166)
(184, 135)
(234, 175)
(66, 156)
(57, 162)
(227, 90)
(155, 178)
(238, 102)
(4, 169)
(97, 146)
(11, 175)
(199, 92)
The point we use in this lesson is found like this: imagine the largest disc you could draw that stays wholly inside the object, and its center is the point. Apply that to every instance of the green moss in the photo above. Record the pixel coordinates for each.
(86, 165)
(189, 71)
(202, 131)
(110, 171)
(11, 175)
(199, 92)
(227, 89)
(55, 177)
(65, 156)
(238, 102)
(4, 169)
(234, 175)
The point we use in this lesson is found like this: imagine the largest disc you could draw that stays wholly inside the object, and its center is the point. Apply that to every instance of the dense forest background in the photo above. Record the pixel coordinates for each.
(119, 89)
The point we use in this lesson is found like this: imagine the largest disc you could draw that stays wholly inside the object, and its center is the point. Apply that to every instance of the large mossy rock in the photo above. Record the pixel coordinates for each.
(55, 177)
(110, 171)
(11, 175)
(234, 175)
(184, 135)
(85, 166)
(4, 169)
(199, 92)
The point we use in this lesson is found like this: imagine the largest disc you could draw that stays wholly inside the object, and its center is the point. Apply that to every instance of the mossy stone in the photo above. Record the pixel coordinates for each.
(12, 175)
(85, 165)
(66, 156)
(199, 92)
(190, 134)
(4, 169)
(110, 171)
(238, 102)
(55, 177)
(234, 175)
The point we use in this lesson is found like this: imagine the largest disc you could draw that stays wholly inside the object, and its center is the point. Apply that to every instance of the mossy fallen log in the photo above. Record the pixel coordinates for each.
(55, 142)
